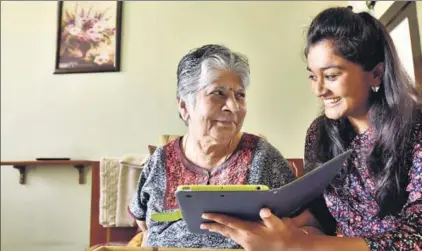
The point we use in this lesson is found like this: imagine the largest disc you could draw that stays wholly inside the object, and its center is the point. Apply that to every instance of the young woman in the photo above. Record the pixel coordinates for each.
(370, 106)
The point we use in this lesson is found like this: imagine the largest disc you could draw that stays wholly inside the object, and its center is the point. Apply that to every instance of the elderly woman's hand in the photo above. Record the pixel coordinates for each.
(272, 234)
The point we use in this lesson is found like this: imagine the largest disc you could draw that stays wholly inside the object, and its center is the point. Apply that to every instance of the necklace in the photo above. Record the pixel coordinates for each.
(225, 156)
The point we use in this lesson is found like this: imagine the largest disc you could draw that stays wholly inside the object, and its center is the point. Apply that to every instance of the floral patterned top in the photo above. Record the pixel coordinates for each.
(255, 161)
(353, 205)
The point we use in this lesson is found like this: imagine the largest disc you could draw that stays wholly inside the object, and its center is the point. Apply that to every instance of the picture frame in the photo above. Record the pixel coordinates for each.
(88, 36)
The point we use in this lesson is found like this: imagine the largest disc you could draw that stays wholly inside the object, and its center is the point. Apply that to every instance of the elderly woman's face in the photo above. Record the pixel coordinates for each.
(220, 107)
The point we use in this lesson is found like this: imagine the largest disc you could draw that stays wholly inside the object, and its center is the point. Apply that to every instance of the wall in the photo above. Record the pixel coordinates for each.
(86, 116)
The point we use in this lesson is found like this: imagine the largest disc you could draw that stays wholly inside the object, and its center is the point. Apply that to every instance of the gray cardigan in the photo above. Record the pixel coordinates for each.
(255, 161)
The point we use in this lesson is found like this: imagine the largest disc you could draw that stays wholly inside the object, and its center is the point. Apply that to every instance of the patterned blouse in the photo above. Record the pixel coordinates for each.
(353, 205)
(255, 161)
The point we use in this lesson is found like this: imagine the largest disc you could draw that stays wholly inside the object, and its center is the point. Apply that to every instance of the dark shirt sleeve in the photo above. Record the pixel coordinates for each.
(317, 207)
(138, 205)
(275, 170)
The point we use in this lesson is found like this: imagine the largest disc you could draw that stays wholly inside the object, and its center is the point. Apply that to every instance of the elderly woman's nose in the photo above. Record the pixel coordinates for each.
(232, 104)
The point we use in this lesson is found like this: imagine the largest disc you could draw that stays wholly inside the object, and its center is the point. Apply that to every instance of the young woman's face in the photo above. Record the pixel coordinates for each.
(342, 86)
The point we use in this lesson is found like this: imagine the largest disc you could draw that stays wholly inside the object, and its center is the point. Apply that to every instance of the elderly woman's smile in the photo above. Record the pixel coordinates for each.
(226, 122)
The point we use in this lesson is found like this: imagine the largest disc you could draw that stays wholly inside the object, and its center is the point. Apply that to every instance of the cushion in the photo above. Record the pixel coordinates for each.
(166, 138)
(136, 241)
(151, 149)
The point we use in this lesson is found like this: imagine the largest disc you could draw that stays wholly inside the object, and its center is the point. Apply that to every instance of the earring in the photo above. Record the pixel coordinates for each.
(375, 88)
(186, 120)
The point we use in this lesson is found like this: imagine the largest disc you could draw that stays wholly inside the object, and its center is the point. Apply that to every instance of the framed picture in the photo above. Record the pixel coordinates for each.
(88, 37)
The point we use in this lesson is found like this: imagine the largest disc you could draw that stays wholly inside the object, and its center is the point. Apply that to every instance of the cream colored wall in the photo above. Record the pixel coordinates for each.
(86, 116)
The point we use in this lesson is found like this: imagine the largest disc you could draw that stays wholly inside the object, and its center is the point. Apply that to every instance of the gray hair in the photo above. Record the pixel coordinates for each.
(196, 70)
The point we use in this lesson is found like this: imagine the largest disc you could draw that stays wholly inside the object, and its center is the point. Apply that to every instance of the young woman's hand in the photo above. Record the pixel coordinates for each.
(272, 234)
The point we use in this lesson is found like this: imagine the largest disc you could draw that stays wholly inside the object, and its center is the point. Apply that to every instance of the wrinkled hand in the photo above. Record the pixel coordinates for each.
(272, 234)
(144, 239)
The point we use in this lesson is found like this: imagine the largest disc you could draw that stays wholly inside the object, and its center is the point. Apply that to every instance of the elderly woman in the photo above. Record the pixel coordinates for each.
(211, 86)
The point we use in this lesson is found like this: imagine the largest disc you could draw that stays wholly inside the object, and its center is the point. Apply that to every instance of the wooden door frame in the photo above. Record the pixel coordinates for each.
(394, 15)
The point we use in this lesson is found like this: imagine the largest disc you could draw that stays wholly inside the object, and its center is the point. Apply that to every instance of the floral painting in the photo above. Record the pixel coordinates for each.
(88, 36)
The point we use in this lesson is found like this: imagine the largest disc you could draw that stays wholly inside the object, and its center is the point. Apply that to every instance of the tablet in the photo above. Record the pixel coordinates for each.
(177, 214)
(283, 201)
(222, 188)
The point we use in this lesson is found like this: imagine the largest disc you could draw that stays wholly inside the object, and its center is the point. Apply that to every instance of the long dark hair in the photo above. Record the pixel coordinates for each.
(393, 110)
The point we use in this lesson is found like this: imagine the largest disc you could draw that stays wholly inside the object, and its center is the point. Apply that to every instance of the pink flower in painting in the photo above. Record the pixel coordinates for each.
(94, 20)
(82, 37)
(101, 59)
(84, 19)
(87, 36)
(99, 26)
(74, 30)
(93, 35)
